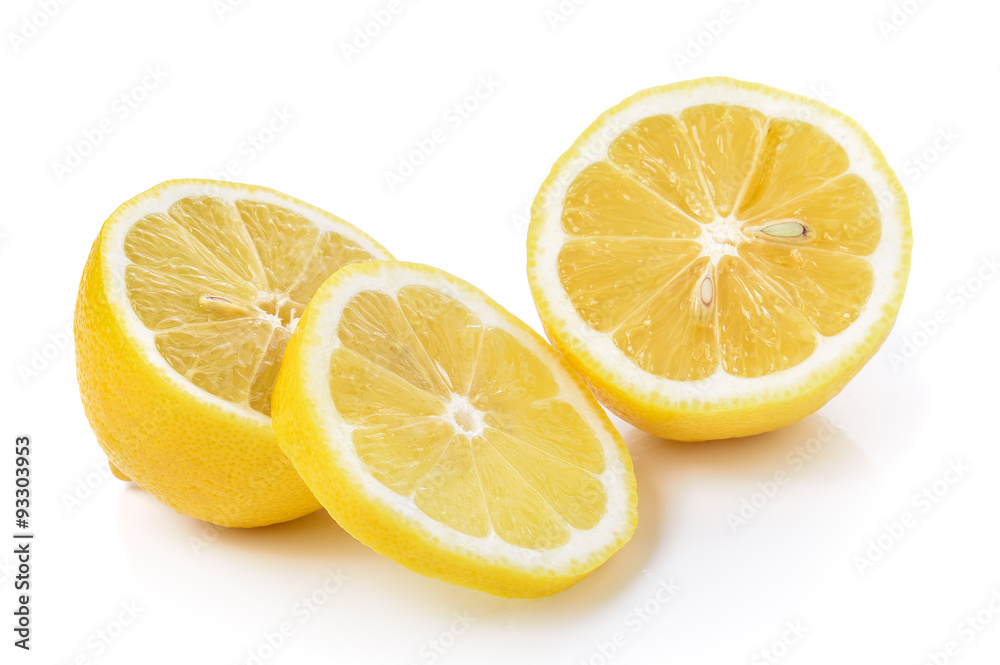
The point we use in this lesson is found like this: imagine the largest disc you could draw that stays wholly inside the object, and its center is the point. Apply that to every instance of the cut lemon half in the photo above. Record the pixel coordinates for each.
(719, 258)
(187, 301)
(445, 434)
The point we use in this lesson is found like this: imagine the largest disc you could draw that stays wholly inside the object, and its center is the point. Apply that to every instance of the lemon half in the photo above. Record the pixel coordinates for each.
(187, 301)
(719, 258)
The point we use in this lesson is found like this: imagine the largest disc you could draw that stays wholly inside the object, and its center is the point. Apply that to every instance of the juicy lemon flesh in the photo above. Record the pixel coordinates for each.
(221, 285)
(462, 419)
(719, 239)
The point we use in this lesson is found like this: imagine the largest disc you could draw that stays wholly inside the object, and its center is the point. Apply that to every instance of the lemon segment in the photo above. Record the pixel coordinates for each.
(726, 140)
(442, 432)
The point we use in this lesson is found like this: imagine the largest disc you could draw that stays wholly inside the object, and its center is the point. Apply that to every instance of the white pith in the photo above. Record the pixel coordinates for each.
(599, 349)
(720, 238)
(321, 341)
(158, 200)
(464, 417)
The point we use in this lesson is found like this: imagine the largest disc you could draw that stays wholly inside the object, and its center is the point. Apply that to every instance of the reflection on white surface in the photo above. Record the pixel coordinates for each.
(687, 572)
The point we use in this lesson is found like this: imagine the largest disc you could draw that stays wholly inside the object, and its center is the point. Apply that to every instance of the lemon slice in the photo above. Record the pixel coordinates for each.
(444, 433)
(719, 258)
(187, 301)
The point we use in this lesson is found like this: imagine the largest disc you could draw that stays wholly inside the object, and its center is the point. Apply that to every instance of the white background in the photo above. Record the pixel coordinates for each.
(892, 434)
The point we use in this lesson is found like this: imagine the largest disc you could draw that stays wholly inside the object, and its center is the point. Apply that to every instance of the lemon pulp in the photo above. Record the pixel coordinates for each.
(221, 285)
(719, 239)
(462, 419)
